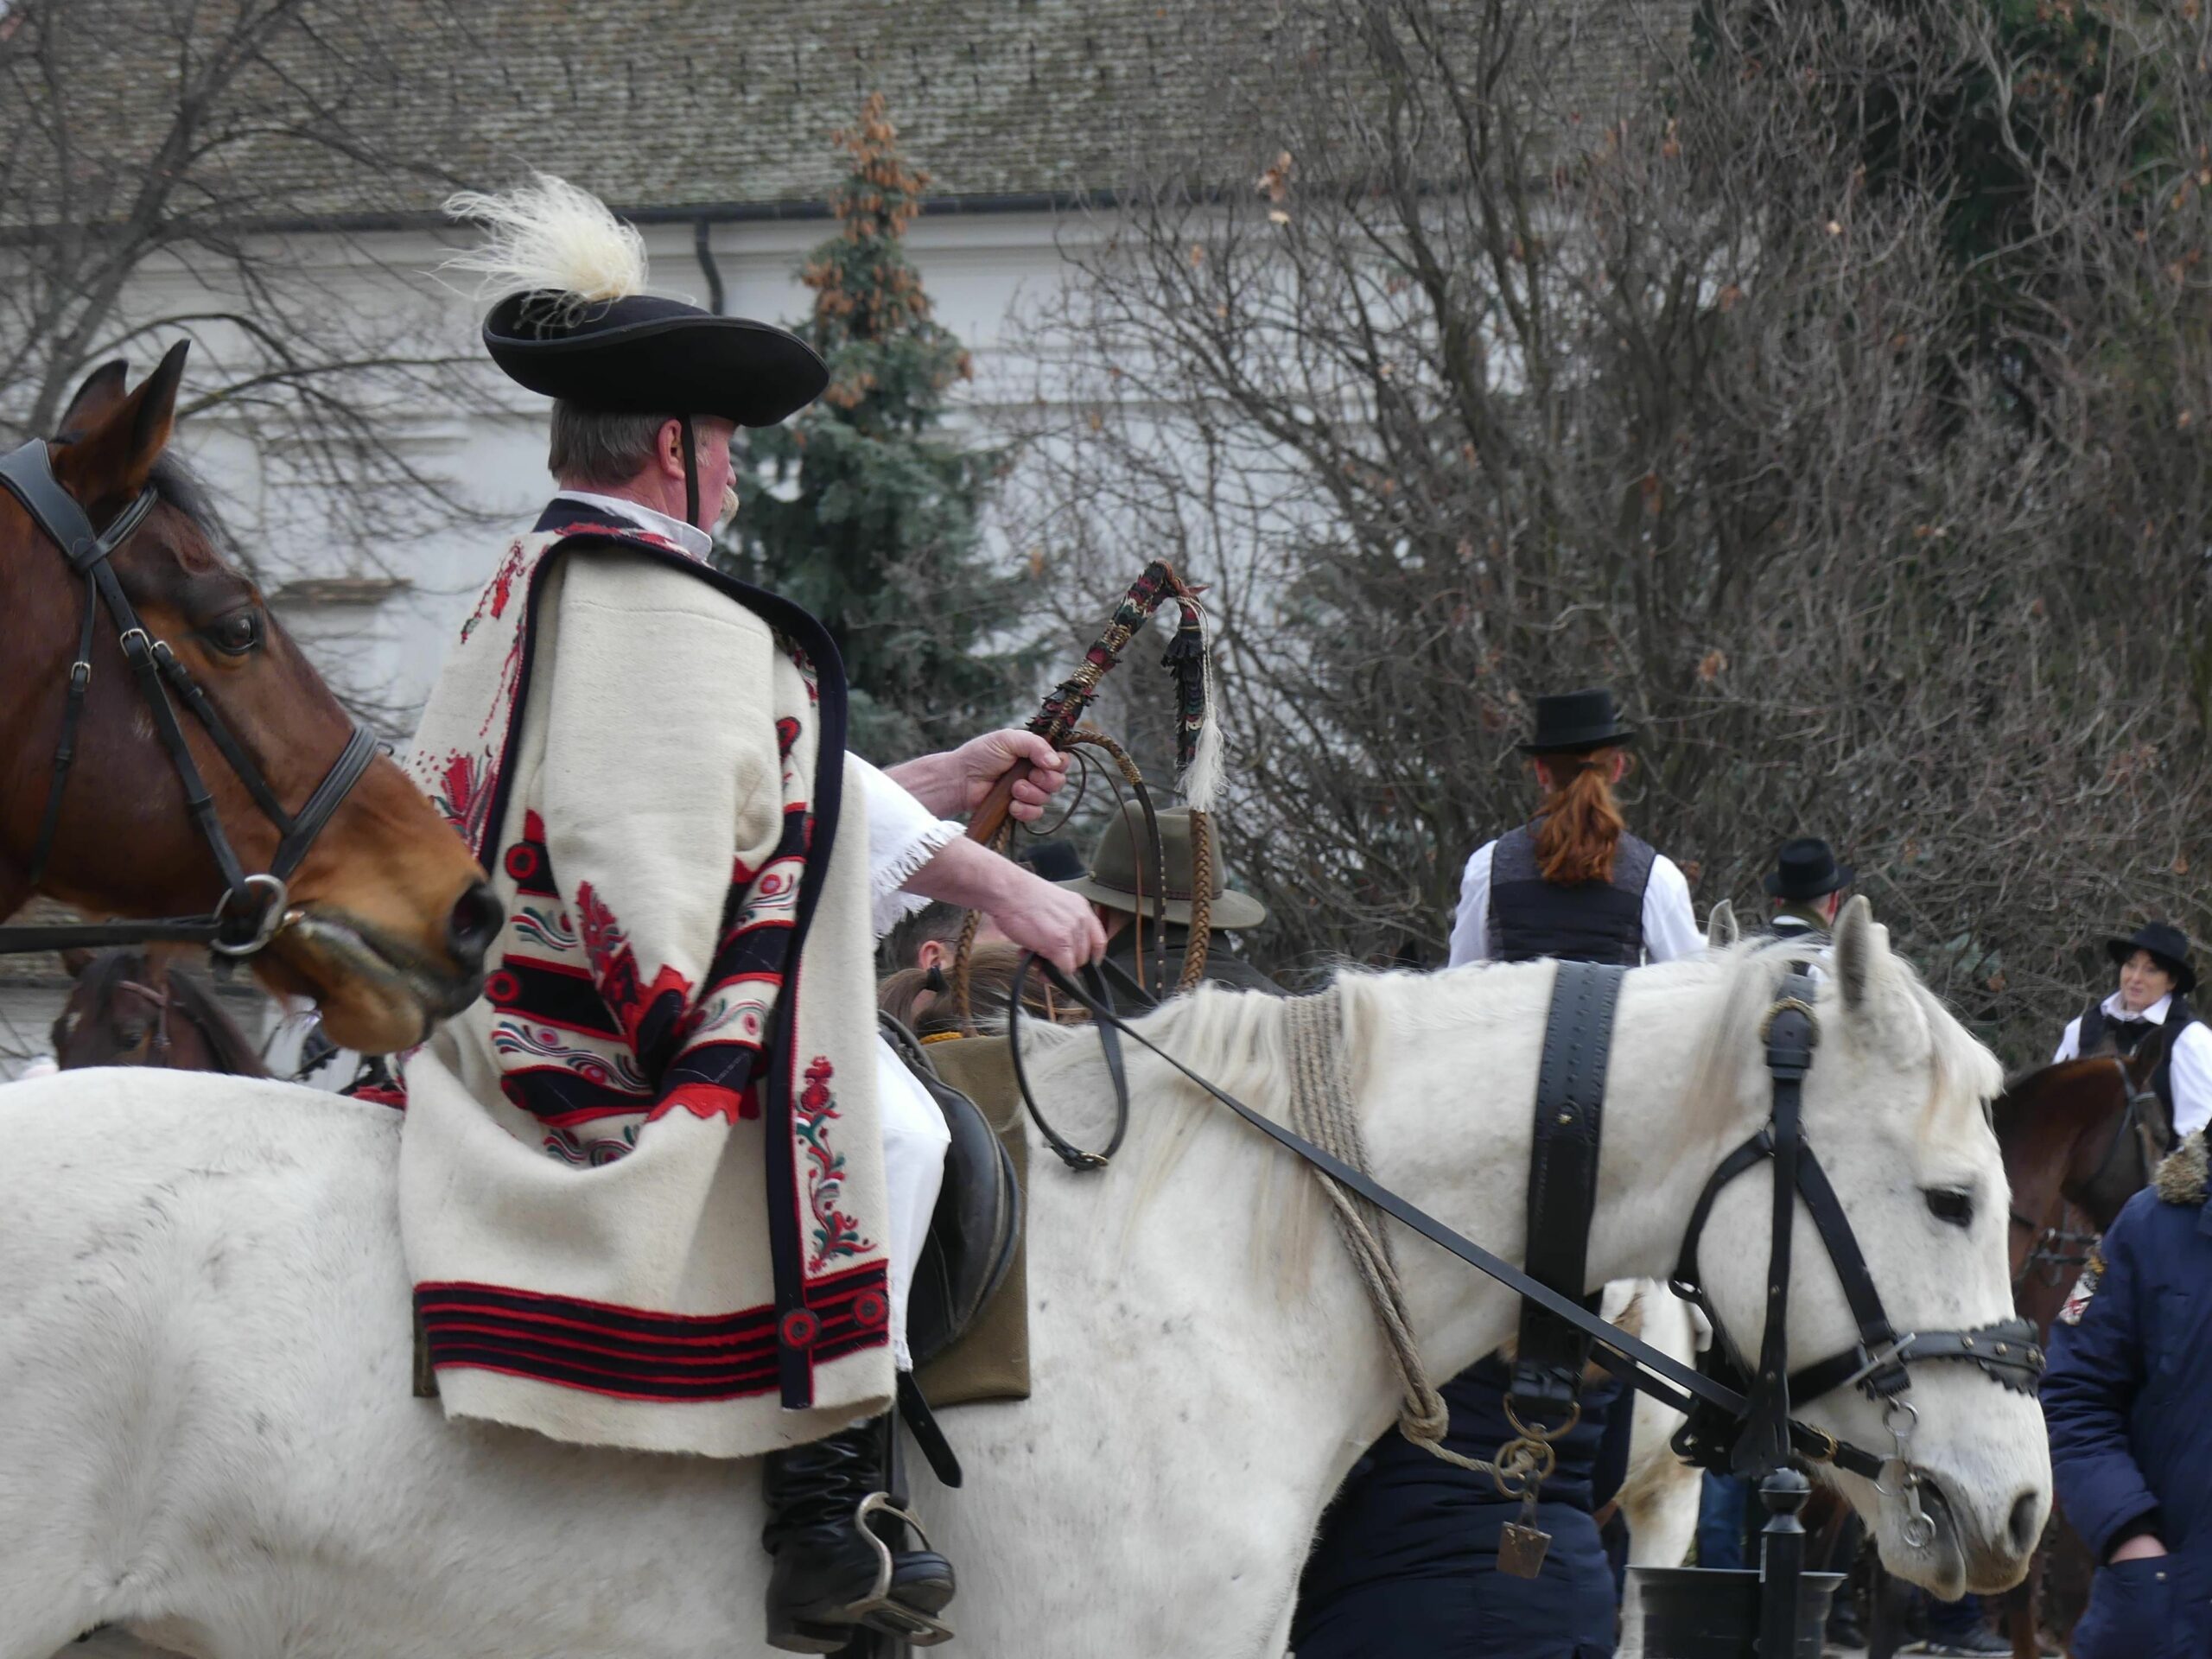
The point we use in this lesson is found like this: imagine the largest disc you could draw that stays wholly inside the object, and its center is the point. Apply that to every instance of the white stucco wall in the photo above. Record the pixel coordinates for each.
(386, 652)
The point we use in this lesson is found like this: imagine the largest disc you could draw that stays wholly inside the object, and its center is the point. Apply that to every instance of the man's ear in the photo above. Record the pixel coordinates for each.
(934, 953)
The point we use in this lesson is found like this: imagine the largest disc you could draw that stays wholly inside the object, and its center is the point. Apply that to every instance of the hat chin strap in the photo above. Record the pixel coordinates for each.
(690, 472)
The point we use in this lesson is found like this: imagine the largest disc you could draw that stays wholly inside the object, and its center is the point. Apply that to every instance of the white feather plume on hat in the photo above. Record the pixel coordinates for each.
(550, 237)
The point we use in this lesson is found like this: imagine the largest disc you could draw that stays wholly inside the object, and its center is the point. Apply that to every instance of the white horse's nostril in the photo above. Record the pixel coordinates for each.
(2023, 1529)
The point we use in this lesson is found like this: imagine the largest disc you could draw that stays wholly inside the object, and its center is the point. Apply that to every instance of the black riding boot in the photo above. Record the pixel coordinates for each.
(829, 1563)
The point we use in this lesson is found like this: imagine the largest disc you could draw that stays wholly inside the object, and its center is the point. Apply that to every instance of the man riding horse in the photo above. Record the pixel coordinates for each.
(664, 1188)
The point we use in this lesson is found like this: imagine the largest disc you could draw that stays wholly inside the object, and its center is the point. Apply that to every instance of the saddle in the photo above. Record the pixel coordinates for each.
(976, 1230)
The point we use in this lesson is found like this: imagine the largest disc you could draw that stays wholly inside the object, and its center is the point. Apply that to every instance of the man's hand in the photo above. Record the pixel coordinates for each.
(1035, 914)
(2143, 1546)
(1058, 926)
(954, 784)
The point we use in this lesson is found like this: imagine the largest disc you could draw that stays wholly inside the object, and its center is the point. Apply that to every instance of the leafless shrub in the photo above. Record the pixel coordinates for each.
(1829, 378)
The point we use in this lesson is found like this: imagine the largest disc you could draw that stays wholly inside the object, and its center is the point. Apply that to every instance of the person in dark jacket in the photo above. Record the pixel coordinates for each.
(1809, 889)
(1571, 882)
(2151, 1008)
(1123, 883)
(1405, 1564)
(2128, 1398)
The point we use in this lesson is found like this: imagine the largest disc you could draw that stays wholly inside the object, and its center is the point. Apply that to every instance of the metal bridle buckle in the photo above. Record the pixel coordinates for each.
(266, 926)
(145, 640)
(1789, 1005)
(1895, 1354)
(81, 675)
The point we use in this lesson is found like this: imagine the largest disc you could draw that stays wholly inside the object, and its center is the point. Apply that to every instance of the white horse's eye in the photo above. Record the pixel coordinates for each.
(1951, 1203)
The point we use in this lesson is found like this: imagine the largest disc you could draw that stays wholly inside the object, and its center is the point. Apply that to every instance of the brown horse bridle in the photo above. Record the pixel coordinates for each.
(252, 906)
(2058, 1249)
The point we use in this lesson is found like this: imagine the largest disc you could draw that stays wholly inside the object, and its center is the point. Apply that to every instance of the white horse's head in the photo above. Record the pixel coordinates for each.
(1894, 1109)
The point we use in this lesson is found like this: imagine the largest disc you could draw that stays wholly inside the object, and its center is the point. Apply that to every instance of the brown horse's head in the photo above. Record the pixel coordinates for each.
(389, 917)
(136, 1007)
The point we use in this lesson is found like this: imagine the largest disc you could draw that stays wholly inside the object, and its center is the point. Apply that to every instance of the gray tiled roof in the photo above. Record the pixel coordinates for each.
(672, 104)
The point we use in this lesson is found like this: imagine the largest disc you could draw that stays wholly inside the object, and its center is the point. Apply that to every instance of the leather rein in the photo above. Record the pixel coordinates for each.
(1738, 1418)
(252, 906)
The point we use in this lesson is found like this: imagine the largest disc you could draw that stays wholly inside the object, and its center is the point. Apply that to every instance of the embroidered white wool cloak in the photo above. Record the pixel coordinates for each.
(589, 1188)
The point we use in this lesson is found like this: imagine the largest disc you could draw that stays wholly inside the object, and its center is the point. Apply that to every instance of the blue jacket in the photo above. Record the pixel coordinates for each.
(2128, 1398)
(1405, 1564)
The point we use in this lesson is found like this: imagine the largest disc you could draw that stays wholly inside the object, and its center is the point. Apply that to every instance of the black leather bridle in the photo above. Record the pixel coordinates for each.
(1738, 1418)
(252, 906)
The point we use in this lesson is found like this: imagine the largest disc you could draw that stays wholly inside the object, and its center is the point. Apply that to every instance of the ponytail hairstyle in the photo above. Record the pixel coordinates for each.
(1582, 823)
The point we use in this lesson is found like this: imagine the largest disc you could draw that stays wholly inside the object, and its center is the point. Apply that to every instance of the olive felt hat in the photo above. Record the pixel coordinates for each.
(1124, 874)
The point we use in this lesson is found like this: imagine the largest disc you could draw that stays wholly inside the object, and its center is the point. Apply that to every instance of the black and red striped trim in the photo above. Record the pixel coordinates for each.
(631, 1353)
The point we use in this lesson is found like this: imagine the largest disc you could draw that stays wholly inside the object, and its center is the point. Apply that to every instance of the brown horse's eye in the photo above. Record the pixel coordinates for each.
(237, 634)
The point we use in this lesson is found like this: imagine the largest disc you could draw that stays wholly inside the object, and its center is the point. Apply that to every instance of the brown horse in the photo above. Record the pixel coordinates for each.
(2079, 1139)
(137, 1008)
(388, 916)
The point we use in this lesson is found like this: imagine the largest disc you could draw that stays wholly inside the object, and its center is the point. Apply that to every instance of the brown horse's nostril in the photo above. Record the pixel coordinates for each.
(2021, 1529)
(475, 921)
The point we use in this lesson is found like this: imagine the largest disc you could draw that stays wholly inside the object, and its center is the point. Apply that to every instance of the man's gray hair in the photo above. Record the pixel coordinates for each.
(591, 447)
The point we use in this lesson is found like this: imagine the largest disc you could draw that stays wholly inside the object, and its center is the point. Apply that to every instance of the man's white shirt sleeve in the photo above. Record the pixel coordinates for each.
(903, 834)
(1670, 928)
(1471, 929)
(2191, 1076)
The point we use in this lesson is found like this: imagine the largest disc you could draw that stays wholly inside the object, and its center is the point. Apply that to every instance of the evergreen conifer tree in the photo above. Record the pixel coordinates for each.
(862, 508)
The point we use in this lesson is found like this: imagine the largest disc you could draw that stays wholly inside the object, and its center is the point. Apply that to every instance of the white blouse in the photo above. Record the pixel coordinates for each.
(2191, 1073)
(1670, 928)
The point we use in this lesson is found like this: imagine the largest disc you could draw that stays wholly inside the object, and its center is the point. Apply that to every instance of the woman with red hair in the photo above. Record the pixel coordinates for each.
(1572, 882)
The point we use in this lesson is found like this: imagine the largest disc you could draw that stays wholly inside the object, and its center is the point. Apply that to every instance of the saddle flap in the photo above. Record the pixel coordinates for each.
(974, 1231)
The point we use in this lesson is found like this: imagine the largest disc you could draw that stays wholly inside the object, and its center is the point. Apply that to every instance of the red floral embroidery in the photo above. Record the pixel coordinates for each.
(615, 965)
(835, 1232)
(463, 794)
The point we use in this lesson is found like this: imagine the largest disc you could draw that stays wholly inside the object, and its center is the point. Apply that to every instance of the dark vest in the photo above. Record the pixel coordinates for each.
(1590, 921)
(2128, 1035)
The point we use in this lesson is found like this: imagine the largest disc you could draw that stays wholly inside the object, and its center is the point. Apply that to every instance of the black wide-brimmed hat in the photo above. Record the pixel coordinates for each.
(2168, 946)
(645, 355)
(1572, 722)
(1806, 869)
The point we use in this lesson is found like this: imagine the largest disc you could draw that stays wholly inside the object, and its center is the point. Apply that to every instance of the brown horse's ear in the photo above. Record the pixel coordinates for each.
(102, 391)
(116, 453)
(75, 960)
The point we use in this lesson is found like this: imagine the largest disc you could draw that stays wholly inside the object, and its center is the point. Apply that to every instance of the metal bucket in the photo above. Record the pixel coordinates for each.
(1712, 1612)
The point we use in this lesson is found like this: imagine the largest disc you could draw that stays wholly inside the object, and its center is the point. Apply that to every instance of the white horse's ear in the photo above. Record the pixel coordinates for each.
(1860, 950)
(1720, 926)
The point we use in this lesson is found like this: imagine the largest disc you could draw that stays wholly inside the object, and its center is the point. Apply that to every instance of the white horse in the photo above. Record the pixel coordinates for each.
(207, 1435)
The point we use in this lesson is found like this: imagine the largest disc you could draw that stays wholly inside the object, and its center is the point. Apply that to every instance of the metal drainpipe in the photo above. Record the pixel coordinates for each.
(703, 247)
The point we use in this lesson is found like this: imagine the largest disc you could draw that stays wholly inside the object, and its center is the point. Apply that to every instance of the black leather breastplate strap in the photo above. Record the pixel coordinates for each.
(1563, 1184)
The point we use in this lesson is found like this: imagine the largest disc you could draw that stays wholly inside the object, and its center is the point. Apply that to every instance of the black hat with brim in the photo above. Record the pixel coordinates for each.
(645, 355)
(1806, 869)
(2167, 945)
(1575, 722)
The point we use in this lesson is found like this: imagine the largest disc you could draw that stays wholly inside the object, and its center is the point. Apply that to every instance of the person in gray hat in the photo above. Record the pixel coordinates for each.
(1124, 886)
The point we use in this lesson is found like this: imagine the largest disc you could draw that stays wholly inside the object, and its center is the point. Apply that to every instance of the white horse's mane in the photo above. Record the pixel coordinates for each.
(1236, 1039)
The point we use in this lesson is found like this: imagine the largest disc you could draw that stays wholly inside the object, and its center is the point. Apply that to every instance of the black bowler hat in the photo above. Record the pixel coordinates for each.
(2168, 948)
(642, 354)
(1806, 868)
(1572, 722)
